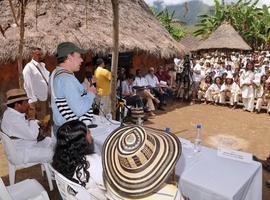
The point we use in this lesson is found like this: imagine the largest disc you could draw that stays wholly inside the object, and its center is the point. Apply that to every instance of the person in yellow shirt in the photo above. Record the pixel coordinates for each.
(103, 79)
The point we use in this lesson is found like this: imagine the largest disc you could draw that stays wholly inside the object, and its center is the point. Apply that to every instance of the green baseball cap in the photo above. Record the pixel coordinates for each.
(65, 48)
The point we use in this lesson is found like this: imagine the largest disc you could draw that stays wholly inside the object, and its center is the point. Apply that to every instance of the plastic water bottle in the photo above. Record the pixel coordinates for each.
(139, 121)
(198, 141)
(109, 118)
(167, 130)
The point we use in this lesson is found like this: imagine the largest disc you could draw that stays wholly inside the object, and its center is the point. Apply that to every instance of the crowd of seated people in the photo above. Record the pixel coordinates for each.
(232, 79)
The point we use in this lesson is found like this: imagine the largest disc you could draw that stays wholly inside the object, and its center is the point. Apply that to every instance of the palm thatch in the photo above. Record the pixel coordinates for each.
(191, 42)
(225, 37)
(87, 23)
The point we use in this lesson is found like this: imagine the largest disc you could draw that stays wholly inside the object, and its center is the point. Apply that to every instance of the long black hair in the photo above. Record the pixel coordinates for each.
(71, 149)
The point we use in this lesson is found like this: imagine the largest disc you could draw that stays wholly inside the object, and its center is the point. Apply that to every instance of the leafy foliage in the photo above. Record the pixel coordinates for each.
(252, 23)
(169, 22)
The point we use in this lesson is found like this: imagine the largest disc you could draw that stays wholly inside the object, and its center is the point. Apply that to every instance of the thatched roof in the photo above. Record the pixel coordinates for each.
(191, 42)
(87, 23)
(225, 37)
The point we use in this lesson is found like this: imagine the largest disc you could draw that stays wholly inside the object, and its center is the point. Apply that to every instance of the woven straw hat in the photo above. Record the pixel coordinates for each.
(15, 95)
(137, 160)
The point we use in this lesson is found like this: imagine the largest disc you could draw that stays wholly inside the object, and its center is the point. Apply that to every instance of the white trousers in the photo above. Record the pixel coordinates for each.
(260, 102)
(149, 97)
(235, 97)
(248, 104)
(201, 94)
(105, 104)
(37, 151)
(223, 97)
(212, 97)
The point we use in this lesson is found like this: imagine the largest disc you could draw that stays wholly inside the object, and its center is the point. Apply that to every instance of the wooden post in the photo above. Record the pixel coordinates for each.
(21, 44)
(13, 12)
(115, 52)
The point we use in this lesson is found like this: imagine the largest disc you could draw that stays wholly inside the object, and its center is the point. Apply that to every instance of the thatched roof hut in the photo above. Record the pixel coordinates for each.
(225, 37)
(87, 23)
(191, 42)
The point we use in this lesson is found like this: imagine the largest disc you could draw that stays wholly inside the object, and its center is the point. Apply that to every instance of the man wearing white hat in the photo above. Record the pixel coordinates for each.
(226, 88)
(30, 144)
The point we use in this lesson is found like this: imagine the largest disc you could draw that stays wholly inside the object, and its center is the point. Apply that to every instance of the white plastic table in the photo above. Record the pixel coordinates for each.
(205, 176)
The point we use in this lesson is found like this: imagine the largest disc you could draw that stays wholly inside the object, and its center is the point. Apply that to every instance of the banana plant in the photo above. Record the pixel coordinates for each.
(251, 22)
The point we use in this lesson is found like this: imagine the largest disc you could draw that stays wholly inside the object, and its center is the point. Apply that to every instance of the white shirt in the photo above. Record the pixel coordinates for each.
(214, 88)
(260, 91)
(95, 182)
(14, 124)
(27, 147)
(226, 87)
(247, 77)
(152, 80)
(197, 77)
(235, 88)
(34, 84)
(126, 88)
(263, 69)
(140, 82)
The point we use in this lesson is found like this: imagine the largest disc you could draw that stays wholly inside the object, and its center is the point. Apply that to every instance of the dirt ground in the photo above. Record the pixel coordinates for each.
(236, 129)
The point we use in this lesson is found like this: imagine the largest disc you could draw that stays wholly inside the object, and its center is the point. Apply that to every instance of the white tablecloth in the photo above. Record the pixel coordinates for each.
(101, 132)
(205, 176)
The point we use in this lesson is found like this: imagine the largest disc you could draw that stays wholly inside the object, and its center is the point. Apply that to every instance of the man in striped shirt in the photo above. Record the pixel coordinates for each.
(70, 99)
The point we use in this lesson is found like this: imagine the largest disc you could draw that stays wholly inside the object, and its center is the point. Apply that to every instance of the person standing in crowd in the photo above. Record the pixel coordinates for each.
(103, 80)
(70, 99)
(247, 87)
(236, 91)
(26, 134)
(196, 77)
(36, 78)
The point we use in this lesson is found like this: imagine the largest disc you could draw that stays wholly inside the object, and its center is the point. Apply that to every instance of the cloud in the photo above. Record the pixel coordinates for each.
(209, 2)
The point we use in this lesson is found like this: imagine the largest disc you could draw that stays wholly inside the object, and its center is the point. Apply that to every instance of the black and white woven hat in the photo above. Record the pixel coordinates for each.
(137, 160)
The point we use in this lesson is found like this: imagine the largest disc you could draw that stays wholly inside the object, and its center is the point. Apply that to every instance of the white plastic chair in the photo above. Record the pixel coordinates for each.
(16, 162)
(70, 190)
(28, 189)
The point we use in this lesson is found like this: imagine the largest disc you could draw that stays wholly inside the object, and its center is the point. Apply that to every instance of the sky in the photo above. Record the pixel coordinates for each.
(209, 2)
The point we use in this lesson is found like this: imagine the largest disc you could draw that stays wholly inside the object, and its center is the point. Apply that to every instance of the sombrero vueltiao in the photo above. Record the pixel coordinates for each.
(136, 160)
(15, 95)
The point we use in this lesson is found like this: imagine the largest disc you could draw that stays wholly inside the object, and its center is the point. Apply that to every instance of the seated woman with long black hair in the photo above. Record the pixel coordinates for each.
(75, 159)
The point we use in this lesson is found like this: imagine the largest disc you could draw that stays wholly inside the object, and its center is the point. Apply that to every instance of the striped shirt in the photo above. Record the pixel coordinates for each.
(71, 100)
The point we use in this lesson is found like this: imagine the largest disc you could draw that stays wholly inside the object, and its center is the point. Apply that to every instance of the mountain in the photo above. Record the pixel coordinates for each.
(192, 9)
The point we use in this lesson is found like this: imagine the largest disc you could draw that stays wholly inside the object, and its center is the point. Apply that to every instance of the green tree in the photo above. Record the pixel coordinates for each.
(169, 22)
(251, 22)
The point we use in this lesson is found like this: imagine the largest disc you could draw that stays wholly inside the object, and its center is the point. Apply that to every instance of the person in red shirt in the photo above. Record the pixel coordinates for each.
(162, 75)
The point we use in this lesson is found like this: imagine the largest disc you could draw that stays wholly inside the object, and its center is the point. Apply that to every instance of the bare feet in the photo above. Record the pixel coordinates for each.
(151, 114)
(156, 101)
